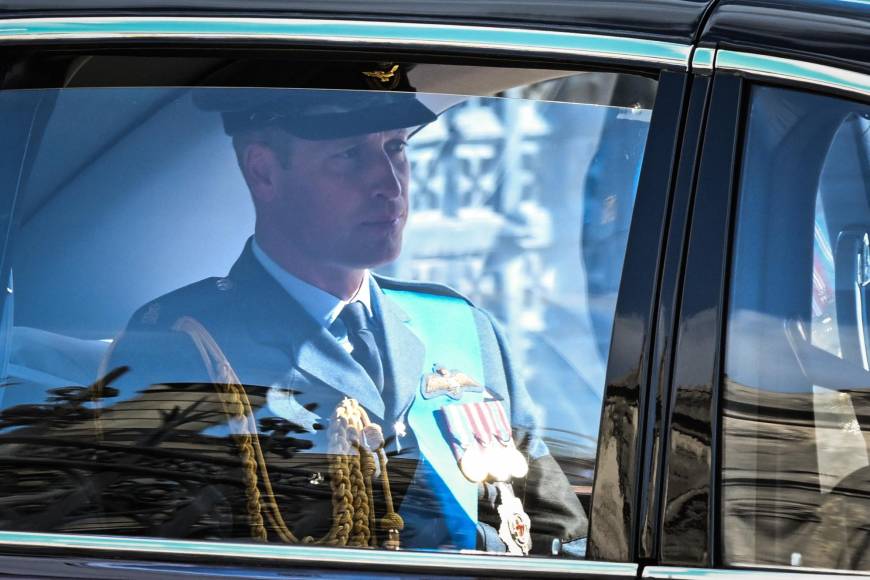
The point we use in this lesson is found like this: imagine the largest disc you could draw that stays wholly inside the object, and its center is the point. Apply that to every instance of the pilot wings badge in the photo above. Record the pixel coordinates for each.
(452, 383)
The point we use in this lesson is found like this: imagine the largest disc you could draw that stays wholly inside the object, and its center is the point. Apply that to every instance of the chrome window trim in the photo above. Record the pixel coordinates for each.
(703, 61)
(355, 558)
(343, 32)
(795, 71)
(773, 573)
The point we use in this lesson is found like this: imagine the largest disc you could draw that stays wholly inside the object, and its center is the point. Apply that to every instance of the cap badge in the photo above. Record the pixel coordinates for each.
(383, 79)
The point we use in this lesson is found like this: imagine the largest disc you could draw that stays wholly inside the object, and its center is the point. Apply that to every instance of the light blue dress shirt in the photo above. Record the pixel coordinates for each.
(322, 306)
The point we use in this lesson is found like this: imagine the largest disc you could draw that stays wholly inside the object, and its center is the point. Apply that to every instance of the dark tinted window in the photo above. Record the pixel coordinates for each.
(795, 475)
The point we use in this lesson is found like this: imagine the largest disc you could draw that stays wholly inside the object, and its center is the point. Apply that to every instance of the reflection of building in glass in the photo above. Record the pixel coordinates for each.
(166, 462)
(795, 477)
(509, 209)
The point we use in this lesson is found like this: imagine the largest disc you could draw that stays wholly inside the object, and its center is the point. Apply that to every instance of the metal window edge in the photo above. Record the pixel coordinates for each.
(766, 67)
(703, 61)
(319, 556)
(776, 573)
(342, 32)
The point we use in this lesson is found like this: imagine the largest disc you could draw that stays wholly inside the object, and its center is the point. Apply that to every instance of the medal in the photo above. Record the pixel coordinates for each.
(511, 461)
(482, 441)
(473, 465)
(499, 462)
(519, 467)
(515, 528)
(465, 446)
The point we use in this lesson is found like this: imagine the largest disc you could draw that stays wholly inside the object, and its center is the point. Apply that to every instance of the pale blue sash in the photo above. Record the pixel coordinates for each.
(446, 326)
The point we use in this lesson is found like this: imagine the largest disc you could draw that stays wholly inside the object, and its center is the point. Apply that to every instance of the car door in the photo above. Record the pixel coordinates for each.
(766, 454)
(542, 193)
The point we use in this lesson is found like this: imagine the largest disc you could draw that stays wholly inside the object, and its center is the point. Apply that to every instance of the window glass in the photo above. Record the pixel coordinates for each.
(824, 320)
(351, 315)
(796, 475)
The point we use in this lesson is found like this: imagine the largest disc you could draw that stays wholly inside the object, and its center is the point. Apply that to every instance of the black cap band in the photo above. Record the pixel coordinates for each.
(316, 115)
(320, 101)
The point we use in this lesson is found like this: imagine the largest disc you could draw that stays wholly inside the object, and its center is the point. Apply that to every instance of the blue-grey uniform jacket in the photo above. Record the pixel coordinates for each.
(296, 373)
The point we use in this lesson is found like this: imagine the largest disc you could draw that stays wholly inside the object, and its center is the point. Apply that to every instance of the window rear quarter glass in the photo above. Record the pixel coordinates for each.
(795, 485)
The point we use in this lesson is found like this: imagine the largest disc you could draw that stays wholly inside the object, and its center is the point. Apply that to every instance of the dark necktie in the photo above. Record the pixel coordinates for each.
(365, 348)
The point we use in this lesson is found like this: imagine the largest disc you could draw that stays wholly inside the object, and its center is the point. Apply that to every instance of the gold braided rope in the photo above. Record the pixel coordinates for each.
(353, 442)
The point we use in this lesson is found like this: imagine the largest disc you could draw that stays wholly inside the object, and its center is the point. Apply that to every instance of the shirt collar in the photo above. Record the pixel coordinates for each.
(319, 304)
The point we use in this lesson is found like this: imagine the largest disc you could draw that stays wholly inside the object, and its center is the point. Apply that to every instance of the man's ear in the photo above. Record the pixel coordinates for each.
(260, 165)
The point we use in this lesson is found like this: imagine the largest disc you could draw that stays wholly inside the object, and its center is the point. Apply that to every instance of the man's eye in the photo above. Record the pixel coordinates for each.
(396, 146)
(351, 153)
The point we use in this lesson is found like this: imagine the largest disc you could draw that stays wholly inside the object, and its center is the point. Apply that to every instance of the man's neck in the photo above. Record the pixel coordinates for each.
(338, 281)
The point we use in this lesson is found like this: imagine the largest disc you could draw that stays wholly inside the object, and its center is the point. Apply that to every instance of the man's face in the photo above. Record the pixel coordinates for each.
(344, 202)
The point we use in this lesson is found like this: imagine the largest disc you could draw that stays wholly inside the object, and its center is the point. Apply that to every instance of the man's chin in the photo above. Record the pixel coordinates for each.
(378, 258)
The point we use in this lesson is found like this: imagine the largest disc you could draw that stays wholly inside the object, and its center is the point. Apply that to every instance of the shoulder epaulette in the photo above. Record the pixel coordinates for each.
(180, 302)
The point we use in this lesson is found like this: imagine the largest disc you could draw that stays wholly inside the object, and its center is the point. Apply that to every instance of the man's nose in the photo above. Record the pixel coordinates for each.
(386, 180)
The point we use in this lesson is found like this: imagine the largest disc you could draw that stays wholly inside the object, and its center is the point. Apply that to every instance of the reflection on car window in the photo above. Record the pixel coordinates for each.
(824, 321)
(796, 475)
(352, 316)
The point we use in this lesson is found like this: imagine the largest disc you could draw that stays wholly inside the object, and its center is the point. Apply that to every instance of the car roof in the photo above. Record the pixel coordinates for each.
(830, 32)
(835, 32)
(668, 20)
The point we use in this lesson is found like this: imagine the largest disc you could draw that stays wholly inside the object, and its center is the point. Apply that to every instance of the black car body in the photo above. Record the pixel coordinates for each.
(735, 322)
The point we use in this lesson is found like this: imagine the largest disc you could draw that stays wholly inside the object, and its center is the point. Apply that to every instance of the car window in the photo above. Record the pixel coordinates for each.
(795, 467)
(348, 313)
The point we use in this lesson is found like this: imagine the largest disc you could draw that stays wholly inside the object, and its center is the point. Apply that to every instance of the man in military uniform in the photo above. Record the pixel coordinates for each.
(315, 358)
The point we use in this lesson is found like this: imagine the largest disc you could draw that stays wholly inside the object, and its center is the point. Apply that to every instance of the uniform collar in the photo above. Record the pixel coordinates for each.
(322, 306)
